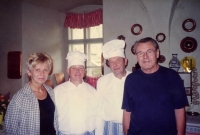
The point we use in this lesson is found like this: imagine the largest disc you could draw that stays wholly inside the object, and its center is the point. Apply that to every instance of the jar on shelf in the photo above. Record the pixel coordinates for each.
(174, 63)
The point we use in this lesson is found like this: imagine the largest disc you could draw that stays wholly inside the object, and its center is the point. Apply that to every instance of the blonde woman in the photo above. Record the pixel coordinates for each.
(32, 110)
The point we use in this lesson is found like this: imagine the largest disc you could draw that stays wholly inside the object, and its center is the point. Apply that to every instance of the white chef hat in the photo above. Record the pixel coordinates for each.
(76, 58)
(113, 48)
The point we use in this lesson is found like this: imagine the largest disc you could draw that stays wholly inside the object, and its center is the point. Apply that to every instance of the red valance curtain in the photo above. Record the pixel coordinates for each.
(76, 20)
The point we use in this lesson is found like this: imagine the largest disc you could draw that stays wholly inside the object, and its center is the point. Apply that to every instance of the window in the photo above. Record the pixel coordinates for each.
(89, 41)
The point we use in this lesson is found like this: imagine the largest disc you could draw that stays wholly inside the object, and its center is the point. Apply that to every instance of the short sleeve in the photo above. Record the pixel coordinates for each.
(179, 95)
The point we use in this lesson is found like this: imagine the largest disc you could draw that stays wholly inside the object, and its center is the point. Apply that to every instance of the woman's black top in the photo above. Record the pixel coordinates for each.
(47, 109)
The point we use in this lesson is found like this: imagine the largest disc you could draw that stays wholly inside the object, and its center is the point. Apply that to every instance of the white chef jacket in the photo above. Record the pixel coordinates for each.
(110, 91)
(77, 107)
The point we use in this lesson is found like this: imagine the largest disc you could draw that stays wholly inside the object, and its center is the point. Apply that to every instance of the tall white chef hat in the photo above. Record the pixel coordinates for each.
(76, 58)
(113, 48)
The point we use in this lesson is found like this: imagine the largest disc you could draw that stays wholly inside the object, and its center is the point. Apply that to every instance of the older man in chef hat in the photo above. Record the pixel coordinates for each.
(110, 89)
(76, 101)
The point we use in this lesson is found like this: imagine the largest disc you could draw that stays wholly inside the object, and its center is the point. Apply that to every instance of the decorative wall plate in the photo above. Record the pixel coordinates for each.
(161, 59)
(121, 37)
(160, 37)
(188, 44)
(132, 50)
(189, 21)
(133, 29)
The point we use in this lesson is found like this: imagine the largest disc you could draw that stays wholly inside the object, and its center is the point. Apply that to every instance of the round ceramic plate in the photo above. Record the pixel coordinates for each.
(134, 27)
(160, 37)
(189, 21)
(121, 37)
(188, 44)
(132, 50)
(161, 59)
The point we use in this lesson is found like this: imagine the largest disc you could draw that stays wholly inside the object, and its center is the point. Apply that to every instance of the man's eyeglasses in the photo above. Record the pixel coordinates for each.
(148, 52)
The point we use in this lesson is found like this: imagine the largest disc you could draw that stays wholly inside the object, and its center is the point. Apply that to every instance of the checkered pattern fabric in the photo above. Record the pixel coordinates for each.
(23, 114)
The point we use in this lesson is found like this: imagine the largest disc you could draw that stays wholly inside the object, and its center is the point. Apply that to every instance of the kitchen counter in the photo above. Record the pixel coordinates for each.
(192, 125)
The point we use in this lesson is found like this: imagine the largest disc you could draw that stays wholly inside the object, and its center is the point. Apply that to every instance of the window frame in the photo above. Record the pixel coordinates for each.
(85, 41)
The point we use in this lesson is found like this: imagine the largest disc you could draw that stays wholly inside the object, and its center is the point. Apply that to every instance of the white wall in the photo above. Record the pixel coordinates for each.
(43, 31)
(10, 40)
(30, 29)
(155, 16)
